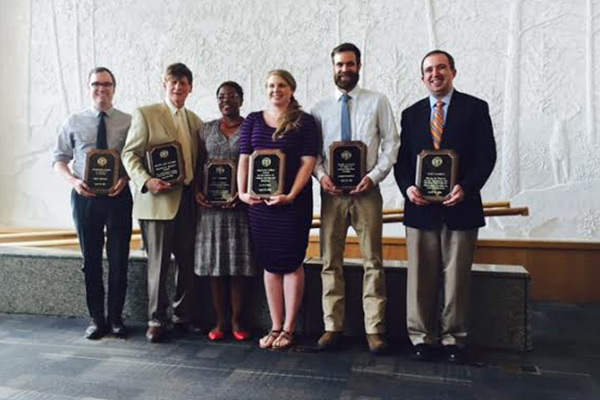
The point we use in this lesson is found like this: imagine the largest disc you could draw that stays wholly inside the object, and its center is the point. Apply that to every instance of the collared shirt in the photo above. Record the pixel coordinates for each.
(79, 133)
(446, 99)
(183, 136)
(371, 121)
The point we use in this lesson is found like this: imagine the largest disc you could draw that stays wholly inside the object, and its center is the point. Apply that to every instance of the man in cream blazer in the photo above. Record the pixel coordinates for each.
(166, 211)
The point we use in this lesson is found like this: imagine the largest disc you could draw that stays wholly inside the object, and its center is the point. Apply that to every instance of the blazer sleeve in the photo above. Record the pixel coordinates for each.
(485, 150)
(134, 151)
(403, 169)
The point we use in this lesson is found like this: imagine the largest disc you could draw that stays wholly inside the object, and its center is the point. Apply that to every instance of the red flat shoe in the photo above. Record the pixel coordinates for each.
(215, 335)
(241, 335)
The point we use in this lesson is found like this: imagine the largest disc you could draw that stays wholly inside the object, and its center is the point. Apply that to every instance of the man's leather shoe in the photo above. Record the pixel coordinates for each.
(329, 340)
(423, 352)
(377, 343)
(118, 328)
(154, 334)
(455, 354)
(95, 331)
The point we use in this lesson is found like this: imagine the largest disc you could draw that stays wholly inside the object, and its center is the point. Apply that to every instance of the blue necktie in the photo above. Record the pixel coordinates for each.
(346, 132)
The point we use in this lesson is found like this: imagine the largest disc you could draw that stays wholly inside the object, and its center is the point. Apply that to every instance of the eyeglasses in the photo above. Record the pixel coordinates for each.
(228, 97)
(102, 84)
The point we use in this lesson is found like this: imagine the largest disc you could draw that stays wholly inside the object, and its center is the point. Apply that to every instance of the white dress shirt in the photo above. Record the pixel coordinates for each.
(371, 121)
(183, 137)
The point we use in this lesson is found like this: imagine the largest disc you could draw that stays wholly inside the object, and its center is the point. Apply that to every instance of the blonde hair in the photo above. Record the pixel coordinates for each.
(291, 118)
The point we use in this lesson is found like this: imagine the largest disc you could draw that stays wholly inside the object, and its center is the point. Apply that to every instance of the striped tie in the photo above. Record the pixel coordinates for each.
(437, 124)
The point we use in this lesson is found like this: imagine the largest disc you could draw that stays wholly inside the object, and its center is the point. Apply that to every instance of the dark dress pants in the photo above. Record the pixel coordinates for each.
(91, 216)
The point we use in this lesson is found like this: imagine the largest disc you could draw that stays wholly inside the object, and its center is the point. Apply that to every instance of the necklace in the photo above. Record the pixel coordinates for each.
(225, 125)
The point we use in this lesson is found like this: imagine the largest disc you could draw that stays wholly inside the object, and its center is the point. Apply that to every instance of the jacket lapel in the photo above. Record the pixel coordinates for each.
(424, 119)
(452, 118)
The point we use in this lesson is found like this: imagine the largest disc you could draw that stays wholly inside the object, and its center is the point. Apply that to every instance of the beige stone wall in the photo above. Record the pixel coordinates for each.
(534, 61)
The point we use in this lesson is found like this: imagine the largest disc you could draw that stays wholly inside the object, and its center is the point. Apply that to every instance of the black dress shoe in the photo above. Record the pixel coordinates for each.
(95, 331)
(118, 328)
(454, 354)
(194, 328)
(423, 352)
(187, 327)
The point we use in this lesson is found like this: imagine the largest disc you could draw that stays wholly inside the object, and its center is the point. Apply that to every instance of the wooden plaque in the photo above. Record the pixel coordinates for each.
(102, 170)
(347, 163)
(267, 173)
(219, 181)
(165, 161)
(436, 174)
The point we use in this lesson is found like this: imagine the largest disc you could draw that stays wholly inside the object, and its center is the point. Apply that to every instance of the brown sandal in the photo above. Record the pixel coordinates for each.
(266, 342)
(286, 336)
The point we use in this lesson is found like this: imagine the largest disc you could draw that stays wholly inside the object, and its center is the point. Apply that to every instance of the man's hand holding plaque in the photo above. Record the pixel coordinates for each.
(165, 163)
(267, 172)
(102, 171)
(219, 182)
(347, 164)
(436, 176)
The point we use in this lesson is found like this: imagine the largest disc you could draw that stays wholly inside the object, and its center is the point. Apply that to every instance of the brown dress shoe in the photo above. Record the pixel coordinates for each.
(154, 334)
(329, 340)
(377, 343)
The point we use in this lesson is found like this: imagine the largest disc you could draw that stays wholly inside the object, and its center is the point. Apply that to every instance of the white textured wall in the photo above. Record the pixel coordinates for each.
(534, 61)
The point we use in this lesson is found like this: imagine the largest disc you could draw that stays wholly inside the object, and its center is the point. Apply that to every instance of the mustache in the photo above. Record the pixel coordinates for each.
(345, 84)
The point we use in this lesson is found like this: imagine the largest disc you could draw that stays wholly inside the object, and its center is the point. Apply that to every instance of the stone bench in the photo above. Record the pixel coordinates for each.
(50, 282)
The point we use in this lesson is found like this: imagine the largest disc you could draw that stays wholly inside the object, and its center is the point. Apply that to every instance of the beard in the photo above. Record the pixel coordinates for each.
(346, 80)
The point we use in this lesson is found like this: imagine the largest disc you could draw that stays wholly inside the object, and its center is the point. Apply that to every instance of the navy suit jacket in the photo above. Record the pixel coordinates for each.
(468, 131)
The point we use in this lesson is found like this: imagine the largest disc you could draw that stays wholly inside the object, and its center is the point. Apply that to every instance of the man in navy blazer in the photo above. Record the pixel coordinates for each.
(441, 237)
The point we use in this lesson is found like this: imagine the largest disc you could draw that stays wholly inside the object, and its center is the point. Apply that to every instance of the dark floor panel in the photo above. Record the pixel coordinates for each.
(43, 358)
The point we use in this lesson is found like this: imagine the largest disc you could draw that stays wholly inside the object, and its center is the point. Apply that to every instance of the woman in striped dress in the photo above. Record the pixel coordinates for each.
(279, 225)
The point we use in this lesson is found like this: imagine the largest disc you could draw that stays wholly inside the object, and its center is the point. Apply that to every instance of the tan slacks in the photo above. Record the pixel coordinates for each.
(363, 213)
(434, 256)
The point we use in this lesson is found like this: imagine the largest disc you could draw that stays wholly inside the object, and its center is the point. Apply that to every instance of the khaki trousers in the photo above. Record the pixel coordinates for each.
(363, 213)
(163, 238)
(436, 256)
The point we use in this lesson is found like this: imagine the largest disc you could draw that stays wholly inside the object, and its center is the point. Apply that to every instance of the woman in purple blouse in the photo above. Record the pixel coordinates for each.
(279, 225)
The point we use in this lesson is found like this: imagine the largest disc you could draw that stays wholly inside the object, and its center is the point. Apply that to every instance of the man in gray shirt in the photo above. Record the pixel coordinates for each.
(99, 127)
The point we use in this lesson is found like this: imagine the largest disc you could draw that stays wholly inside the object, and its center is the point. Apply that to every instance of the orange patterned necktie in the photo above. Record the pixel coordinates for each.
(437, 124)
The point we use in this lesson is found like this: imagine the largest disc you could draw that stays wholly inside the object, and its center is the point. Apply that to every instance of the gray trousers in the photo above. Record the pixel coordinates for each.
(163, 238)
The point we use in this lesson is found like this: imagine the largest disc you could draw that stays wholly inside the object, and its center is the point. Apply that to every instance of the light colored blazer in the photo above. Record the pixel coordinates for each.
(153, 125)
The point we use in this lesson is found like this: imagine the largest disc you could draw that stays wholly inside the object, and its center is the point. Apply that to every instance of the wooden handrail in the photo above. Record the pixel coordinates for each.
(56, 242)
(488, 212)
(48, 238)
(392, 211)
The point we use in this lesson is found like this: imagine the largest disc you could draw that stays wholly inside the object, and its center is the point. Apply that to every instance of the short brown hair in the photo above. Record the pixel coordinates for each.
(442, 52)
(346, 47)
(178, 70)
(98, 70)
